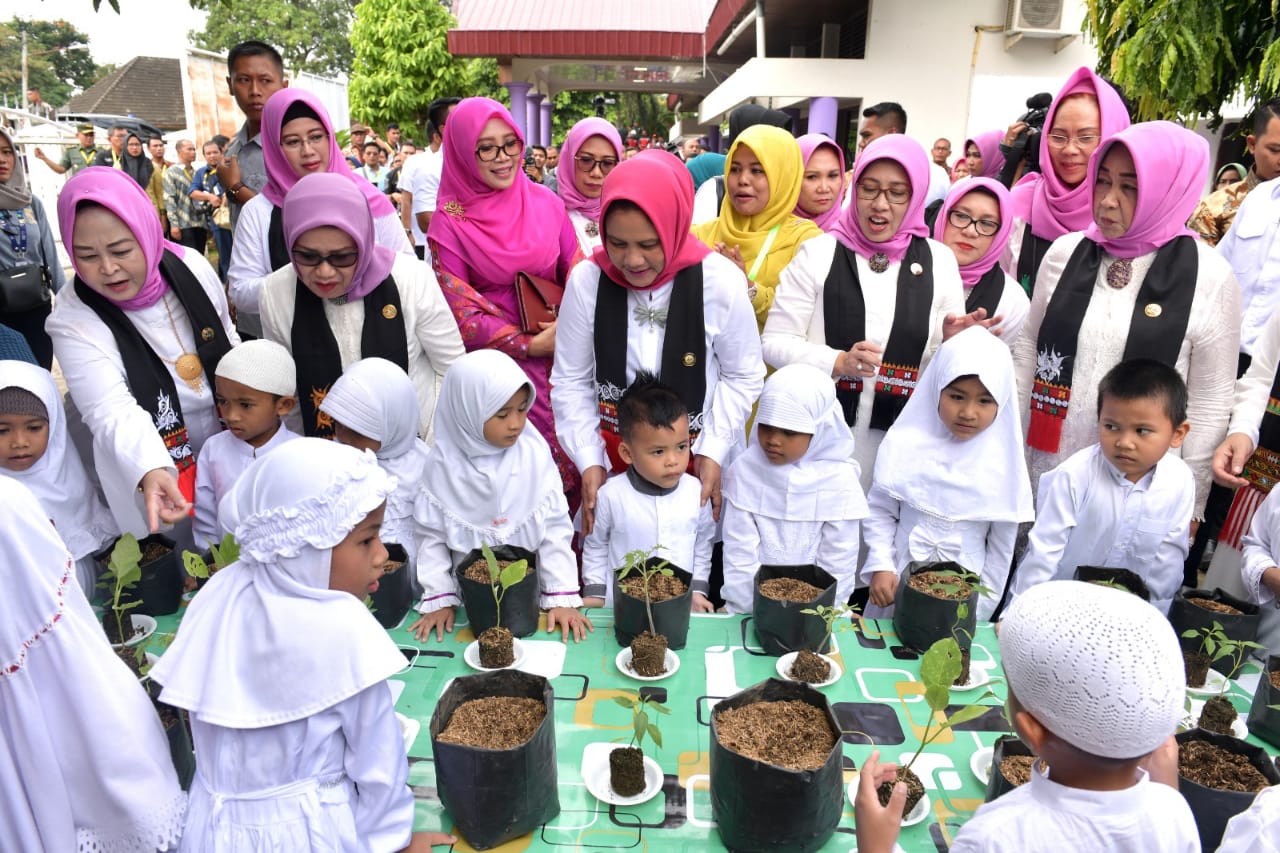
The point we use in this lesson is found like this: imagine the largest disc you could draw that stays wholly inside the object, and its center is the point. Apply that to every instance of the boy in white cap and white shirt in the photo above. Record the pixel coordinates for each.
(256, 387)
(1096, 689)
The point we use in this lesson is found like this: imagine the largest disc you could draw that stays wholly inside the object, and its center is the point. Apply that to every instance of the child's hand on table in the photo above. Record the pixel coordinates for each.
(570, 619)
(440, 621)
(701, 604)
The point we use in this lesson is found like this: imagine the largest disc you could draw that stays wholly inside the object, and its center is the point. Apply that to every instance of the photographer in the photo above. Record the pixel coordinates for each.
(1021, 145)
(208, 200)
(534, 159)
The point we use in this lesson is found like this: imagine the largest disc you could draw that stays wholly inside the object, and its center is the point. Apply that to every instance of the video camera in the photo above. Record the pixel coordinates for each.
(1028, 141)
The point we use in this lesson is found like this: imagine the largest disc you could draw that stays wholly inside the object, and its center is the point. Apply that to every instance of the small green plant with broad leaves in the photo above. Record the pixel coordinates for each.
(224, 554)
(939, 668)
(640, 705)
(831, 616)
(1216, 645)
(637, 562)
(502, 578)
(124, 569)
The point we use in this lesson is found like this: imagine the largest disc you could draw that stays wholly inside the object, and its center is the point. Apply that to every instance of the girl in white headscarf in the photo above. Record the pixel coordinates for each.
(57, 476)
(490, 481)
(283, 669)
(83, 759)
(950, 478)
(793, 497)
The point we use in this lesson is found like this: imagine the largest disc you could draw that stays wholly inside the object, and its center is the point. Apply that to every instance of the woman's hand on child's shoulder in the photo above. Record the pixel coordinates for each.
(570, 619)
(441, 621)
(701, 604)
(878, 826)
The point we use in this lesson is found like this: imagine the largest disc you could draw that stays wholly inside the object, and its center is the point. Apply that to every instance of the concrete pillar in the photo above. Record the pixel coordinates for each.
(535, 130)
(519, 105)
(545, 126)
(822, 116)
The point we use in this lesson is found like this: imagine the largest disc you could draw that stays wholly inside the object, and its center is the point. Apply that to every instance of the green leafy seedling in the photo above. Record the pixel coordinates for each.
(502, 579)
(637, 562)
(124, 569)
(939, 668)
(224, 553)
(831, 616)
(1216, 645)
(641, 725)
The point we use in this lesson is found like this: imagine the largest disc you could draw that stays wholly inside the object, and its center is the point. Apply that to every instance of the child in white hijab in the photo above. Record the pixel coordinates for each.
(35, 451)
(793, 497)
(83, 759)
(283, 669)
(491, 481)
(950, 478)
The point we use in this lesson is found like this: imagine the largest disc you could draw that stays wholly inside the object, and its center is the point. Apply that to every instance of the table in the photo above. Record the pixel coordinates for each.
(877, 699)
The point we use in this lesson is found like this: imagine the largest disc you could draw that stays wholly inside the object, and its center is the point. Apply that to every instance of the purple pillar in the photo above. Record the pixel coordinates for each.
(535, 135)
(545, 125)
(713, 139)
(519, 105)
(822, 116)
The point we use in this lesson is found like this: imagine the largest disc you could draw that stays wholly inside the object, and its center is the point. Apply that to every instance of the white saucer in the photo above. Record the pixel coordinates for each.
(1214, 683)
(980, 763)
(143, 627)
(977, 678)
(784, 669)
(471, 654)
(911, 818)
(595, 773)
(623, 662)
(1191, 720)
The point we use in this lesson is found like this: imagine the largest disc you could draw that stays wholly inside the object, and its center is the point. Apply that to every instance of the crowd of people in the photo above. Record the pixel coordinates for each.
(765, 356)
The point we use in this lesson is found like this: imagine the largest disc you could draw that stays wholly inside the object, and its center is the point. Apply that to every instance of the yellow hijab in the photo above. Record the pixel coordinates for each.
(779, 155)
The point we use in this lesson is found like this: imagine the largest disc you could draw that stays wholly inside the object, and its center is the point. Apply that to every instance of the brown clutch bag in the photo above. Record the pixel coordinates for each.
(539, 300)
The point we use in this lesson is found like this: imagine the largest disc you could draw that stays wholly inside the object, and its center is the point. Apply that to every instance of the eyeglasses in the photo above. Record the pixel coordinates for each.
(962, 220)
(587, 164)
(307, 258)
(311, 140)
(1061, 140)
(488, 152)
(895, 193)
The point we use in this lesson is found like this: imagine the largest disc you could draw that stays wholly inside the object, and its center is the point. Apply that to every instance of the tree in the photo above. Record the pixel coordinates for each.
(56, 72)
(311, 36)
(402, 63)
(1186, 58)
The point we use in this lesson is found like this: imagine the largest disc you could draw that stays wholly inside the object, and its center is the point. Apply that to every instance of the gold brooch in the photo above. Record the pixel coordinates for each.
(206, 334)
(389, 311)
(1153, 310)
(455, 209)
(689, 359)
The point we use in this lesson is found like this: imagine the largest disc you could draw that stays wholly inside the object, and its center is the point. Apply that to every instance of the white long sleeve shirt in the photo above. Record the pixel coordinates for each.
(222, 460)
(1252, 248)
(1089, 514)
(1261, 547)
(1253, 389)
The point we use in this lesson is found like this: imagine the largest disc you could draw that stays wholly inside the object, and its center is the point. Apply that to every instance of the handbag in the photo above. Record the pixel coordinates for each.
(539, 301)
(25, 287)
(222, 214)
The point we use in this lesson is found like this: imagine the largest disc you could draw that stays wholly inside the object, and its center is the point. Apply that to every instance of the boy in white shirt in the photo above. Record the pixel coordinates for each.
(1125, 502)
(655, 502)
(1096, 686)
(256, 387)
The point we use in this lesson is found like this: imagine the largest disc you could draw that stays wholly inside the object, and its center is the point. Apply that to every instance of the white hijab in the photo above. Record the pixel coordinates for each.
(820, 486)
(376, 398)
(83, 758)
(487, 488)
(983, 478)
(266, 641)
(58, 477)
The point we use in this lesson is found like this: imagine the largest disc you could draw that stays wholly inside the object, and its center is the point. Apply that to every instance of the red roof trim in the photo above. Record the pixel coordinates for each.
(575, 43)
(722, 18)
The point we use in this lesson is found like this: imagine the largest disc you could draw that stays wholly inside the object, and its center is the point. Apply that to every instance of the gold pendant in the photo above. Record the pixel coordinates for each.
(190, 370)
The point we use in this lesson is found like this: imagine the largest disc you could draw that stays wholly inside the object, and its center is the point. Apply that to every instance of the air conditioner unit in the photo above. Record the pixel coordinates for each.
(1036, 19)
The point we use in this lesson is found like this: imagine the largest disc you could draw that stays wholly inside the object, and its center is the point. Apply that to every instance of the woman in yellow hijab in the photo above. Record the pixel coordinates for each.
(757, 228)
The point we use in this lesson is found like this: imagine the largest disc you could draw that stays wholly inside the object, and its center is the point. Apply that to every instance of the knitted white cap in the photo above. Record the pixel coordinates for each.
(261, 365)
(1099, 667)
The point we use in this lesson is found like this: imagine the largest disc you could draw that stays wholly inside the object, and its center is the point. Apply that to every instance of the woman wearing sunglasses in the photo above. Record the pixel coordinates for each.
(591, 150)
(345, 297)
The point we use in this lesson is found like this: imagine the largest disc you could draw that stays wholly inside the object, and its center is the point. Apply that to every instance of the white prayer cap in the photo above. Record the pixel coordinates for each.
(261, 365)
(794, 400)
(1099, 667)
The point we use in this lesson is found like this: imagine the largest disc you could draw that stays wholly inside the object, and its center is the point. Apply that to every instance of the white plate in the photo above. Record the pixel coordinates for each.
(595, 774)
(911, 818)
(1192, 719)
(784, 669)
(977, 678)
(1213, 684)
(147, 624)
(471, 654)
(408, 730)
(980, 763)
(623, 662)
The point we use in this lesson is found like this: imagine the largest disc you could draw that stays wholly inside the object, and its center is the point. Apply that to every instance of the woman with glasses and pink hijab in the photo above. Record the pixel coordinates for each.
(590, 152)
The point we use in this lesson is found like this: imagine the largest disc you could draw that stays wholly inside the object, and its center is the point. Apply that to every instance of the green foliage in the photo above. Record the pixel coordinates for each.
(640, 705)
(57, 73)
(1215, 643)
(224, 554)
(1178, 59)
(312, 36)
(368, 602)
(502, 579)
(123, 571)
(829, 617)
(939, 668)
(638, 562)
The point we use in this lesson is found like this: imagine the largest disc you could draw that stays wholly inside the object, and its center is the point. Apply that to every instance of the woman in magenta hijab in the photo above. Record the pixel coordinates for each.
(822, 187)
(590, 152)
(1135, 284)
(656, 299)
(297, 140)
(983, 154)
(491, 223)
(138, 338)
(866, 301)
(345, 297)
(1056, 200)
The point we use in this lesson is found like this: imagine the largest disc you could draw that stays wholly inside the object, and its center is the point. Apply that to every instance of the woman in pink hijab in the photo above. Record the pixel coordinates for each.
(491, 223)
(983, 154)
(822, 186)
(590, 152)
(1136, 283)
(1056, 200)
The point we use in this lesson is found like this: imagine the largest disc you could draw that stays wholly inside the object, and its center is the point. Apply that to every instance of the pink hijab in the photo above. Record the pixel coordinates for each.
(121, 195)
(1172, 164)
(809, 143)
(1050, 206)
(497, 232)
(660, 185)
(280, 175)
(908, 154)
(972, 273)
(989, 147)
(328, 198)
(567, 177)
